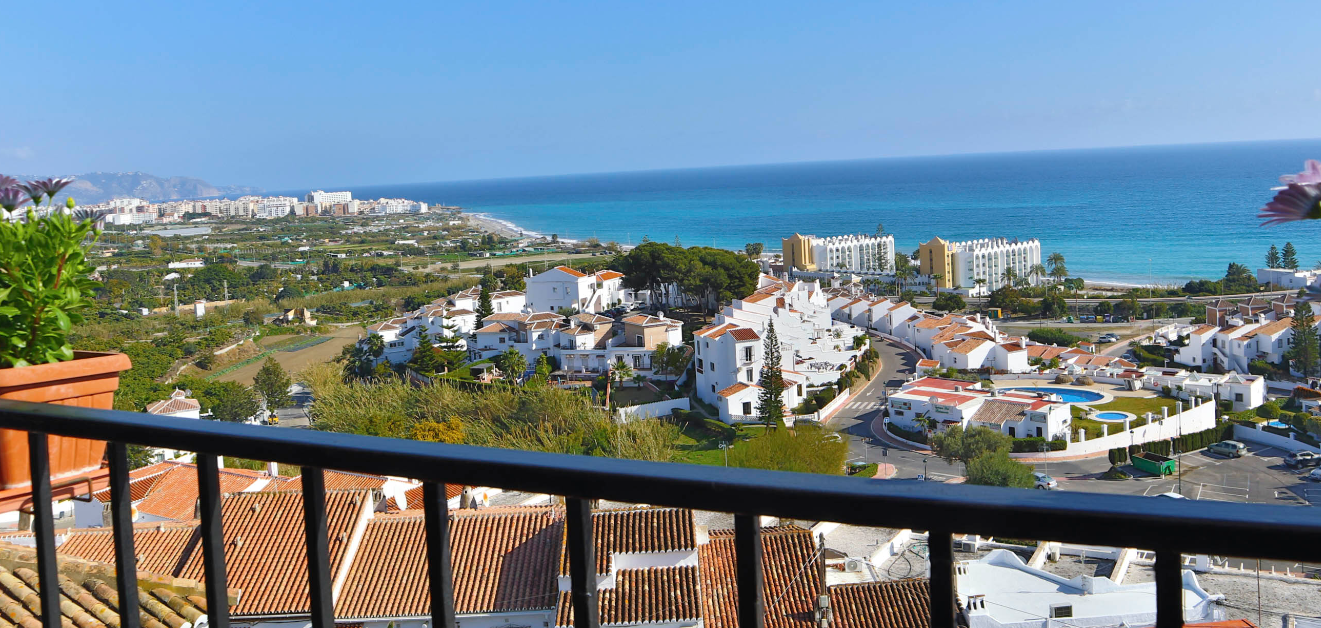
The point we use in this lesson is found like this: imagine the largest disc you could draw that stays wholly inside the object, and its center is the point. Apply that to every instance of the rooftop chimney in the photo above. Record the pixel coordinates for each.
(272, 469)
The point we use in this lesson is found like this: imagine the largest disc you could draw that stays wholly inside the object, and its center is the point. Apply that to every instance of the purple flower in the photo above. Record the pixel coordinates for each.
(33, 190)
(11, 198)
(7, 182)
(1310, 175)
(1296, 202)
(53, 185)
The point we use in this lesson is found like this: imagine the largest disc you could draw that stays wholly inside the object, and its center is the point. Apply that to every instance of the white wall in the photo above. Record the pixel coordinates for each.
(1192, 420)
(1262, 437)
(652, 410)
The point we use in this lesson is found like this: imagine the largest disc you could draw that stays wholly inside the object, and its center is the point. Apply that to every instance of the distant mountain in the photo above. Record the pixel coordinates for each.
(98, 187)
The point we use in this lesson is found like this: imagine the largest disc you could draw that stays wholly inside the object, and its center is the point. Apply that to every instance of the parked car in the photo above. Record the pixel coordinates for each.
(1228, 448)
(1301, 459)
(1045, 482)
(1171, 495)
(1315, 475)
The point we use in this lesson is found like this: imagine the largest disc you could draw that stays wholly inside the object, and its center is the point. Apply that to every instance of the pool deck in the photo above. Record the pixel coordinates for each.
(1109, 391)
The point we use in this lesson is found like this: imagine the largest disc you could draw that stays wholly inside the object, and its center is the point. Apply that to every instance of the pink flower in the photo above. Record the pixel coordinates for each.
(1310, 175)
(1296, 202)
(12, 198)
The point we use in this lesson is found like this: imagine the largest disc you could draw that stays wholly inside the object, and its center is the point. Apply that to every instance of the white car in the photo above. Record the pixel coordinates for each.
(1315, 475)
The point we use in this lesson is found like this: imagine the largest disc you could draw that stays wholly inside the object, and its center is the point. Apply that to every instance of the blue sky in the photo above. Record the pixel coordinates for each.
(286, 95)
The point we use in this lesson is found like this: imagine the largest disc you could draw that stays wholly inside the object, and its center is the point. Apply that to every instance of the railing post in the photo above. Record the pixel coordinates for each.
(582, 562)
(318, 548)
(44, 529)
(213, 541)
(121, 518)
(944, 597)
(1169, 589)
(440, 567)
(747, 561)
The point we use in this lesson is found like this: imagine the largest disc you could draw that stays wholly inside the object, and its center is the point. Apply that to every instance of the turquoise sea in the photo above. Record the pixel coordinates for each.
(1130, 215)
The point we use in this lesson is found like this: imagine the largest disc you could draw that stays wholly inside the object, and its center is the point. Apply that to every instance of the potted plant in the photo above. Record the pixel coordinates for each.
(44, 286)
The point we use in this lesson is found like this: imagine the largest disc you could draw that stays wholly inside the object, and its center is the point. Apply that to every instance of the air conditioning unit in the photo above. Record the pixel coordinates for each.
(853, 565)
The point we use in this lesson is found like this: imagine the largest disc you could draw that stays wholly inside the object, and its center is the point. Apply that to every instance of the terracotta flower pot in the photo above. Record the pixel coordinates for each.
(89, 381)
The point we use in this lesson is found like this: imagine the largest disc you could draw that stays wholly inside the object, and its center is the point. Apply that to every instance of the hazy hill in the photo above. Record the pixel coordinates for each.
(96, 187)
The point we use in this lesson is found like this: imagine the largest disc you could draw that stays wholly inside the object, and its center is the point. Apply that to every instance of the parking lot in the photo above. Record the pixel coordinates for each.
(1258, 477)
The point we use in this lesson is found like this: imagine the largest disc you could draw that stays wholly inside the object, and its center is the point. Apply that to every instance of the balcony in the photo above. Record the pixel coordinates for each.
(1173, 528)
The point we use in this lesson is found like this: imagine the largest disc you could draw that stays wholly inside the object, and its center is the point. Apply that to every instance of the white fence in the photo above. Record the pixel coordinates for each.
(1262, 437)
(652, 410)
(1192, 420)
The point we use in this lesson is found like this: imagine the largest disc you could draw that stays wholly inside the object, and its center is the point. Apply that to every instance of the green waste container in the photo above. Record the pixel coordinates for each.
(1153, 463)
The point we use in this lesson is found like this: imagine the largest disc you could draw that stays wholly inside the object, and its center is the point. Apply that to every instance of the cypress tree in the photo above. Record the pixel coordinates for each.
(1273, 257)
(770, 403)
(1290, 258)
(1304, 349)
(484, 304)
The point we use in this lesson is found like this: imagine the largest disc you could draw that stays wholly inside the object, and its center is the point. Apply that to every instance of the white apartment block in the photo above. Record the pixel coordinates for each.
(1286, 278)
(729, 356)
(988, 259)
(857, 253)
(563, 287)
(125, 204)
(274, 207)
(1019, 414)
(398, 206)
(321, 197)
(1236, 334)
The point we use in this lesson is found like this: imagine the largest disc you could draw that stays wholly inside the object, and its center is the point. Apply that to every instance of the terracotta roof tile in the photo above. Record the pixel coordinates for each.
(998, 411)
(743, 334)
(162, 547)
(503, 560)
(736, 388)
(339, 480)
(265, 548)
(643, 596)
(791, 580)
(889, 604)
(413, 496)
(607, 275)
(174, 495)
(570, 271)
(173, 405)
(637, 531)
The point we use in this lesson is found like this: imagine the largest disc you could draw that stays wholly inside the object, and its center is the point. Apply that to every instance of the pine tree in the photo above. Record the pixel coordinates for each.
(1273, 257)
(484, 308)
(1304, 350)
(1290, 258)
(770, 403)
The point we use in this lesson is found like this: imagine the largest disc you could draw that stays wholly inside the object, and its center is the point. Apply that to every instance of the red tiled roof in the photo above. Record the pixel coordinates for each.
(570, 271)
(743, 334)
(173, 405)
(888, 604)
(736, 388)
(643, 596)
(161, 547)
(607, 275)
(413, 496)
(338, 480)
(265, 548)
(791, 579)
(503, 560)
(174, 495)
(637, 531)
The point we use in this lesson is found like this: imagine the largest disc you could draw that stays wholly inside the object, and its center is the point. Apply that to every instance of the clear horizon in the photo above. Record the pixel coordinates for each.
(296, 95)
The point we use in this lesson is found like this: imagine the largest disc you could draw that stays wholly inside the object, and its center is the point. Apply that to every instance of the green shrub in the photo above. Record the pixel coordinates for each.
(1119, 456)
(1053, 336)
(908, 435)
(1270, 409)
(1032, 444)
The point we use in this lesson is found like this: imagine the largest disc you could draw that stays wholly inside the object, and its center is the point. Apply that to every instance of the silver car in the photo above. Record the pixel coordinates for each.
(1045, 482)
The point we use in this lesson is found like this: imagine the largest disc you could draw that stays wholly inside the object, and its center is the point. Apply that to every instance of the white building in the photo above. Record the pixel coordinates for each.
(563, 287)
(398, 206)
(856, 253)
(1288, 278)
(274, 207)
(949, 402)
(988, 259)
(1000, 591)
(178, 405)
(194, 262)
(321, 197)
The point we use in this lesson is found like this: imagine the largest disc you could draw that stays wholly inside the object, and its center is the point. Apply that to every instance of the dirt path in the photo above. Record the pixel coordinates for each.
(298, 360)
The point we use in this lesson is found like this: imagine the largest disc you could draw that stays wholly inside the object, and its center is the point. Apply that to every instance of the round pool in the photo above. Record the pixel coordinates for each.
(1069, 395)
(1112, 416)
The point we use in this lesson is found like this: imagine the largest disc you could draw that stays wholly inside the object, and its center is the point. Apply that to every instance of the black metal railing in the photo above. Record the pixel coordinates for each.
(1169, 527)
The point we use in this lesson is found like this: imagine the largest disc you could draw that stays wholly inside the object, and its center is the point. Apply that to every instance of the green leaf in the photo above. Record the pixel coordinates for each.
(8, 310)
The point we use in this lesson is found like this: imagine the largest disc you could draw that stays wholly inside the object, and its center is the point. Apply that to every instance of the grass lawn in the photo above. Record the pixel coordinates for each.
(620, 396)
(702, 446)
(1138, 406)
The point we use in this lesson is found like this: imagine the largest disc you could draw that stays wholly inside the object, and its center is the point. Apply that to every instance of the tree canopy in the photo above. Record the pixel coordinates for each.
(957, 444)
(711, 275)
(273, 384)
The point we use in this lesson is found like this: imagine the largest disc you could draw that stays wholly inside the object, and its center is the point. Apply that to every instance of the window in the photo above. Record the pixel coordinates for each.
(554, 290)
(502, 340)
(637, 361)
(713, 387)
(698, 346)
(747, 407)
(699, 365)
(1061, 611)
(800, 390)
(749, 375)
(637, 340)
(747, 354)
(1238, 396)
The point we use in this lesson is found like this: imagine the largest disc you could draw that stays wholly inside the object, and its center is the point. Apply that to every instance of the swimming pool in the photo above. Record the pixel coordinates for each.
(1111, 415)
(1069, 395)
(1279, 424)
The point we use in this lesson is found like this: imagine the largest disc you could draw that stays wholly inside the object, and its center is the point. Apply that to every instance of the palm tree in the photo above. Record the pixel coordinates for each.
(980, 282)
(1008, 277)
(1036, 271)
(935, 283)
(1055, 260)
(619, 372)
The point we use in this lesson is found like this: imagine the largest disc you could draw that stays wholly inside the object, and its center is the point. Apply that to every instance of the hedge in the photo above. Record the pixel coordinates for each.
(1186, 443)
(1032, 444)
(1119, 456)
(908, 435)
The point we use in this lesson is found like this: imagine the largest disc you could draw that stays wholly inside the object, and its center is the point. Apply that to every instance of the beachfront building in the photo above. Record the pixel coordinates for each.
(563, 288)
(398, 206)
(729, 353)
(321, 197)
(938, 404)
(1237, 334)
(960, 265)
(1288, 278)
(855, 253)
(1001, 591)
